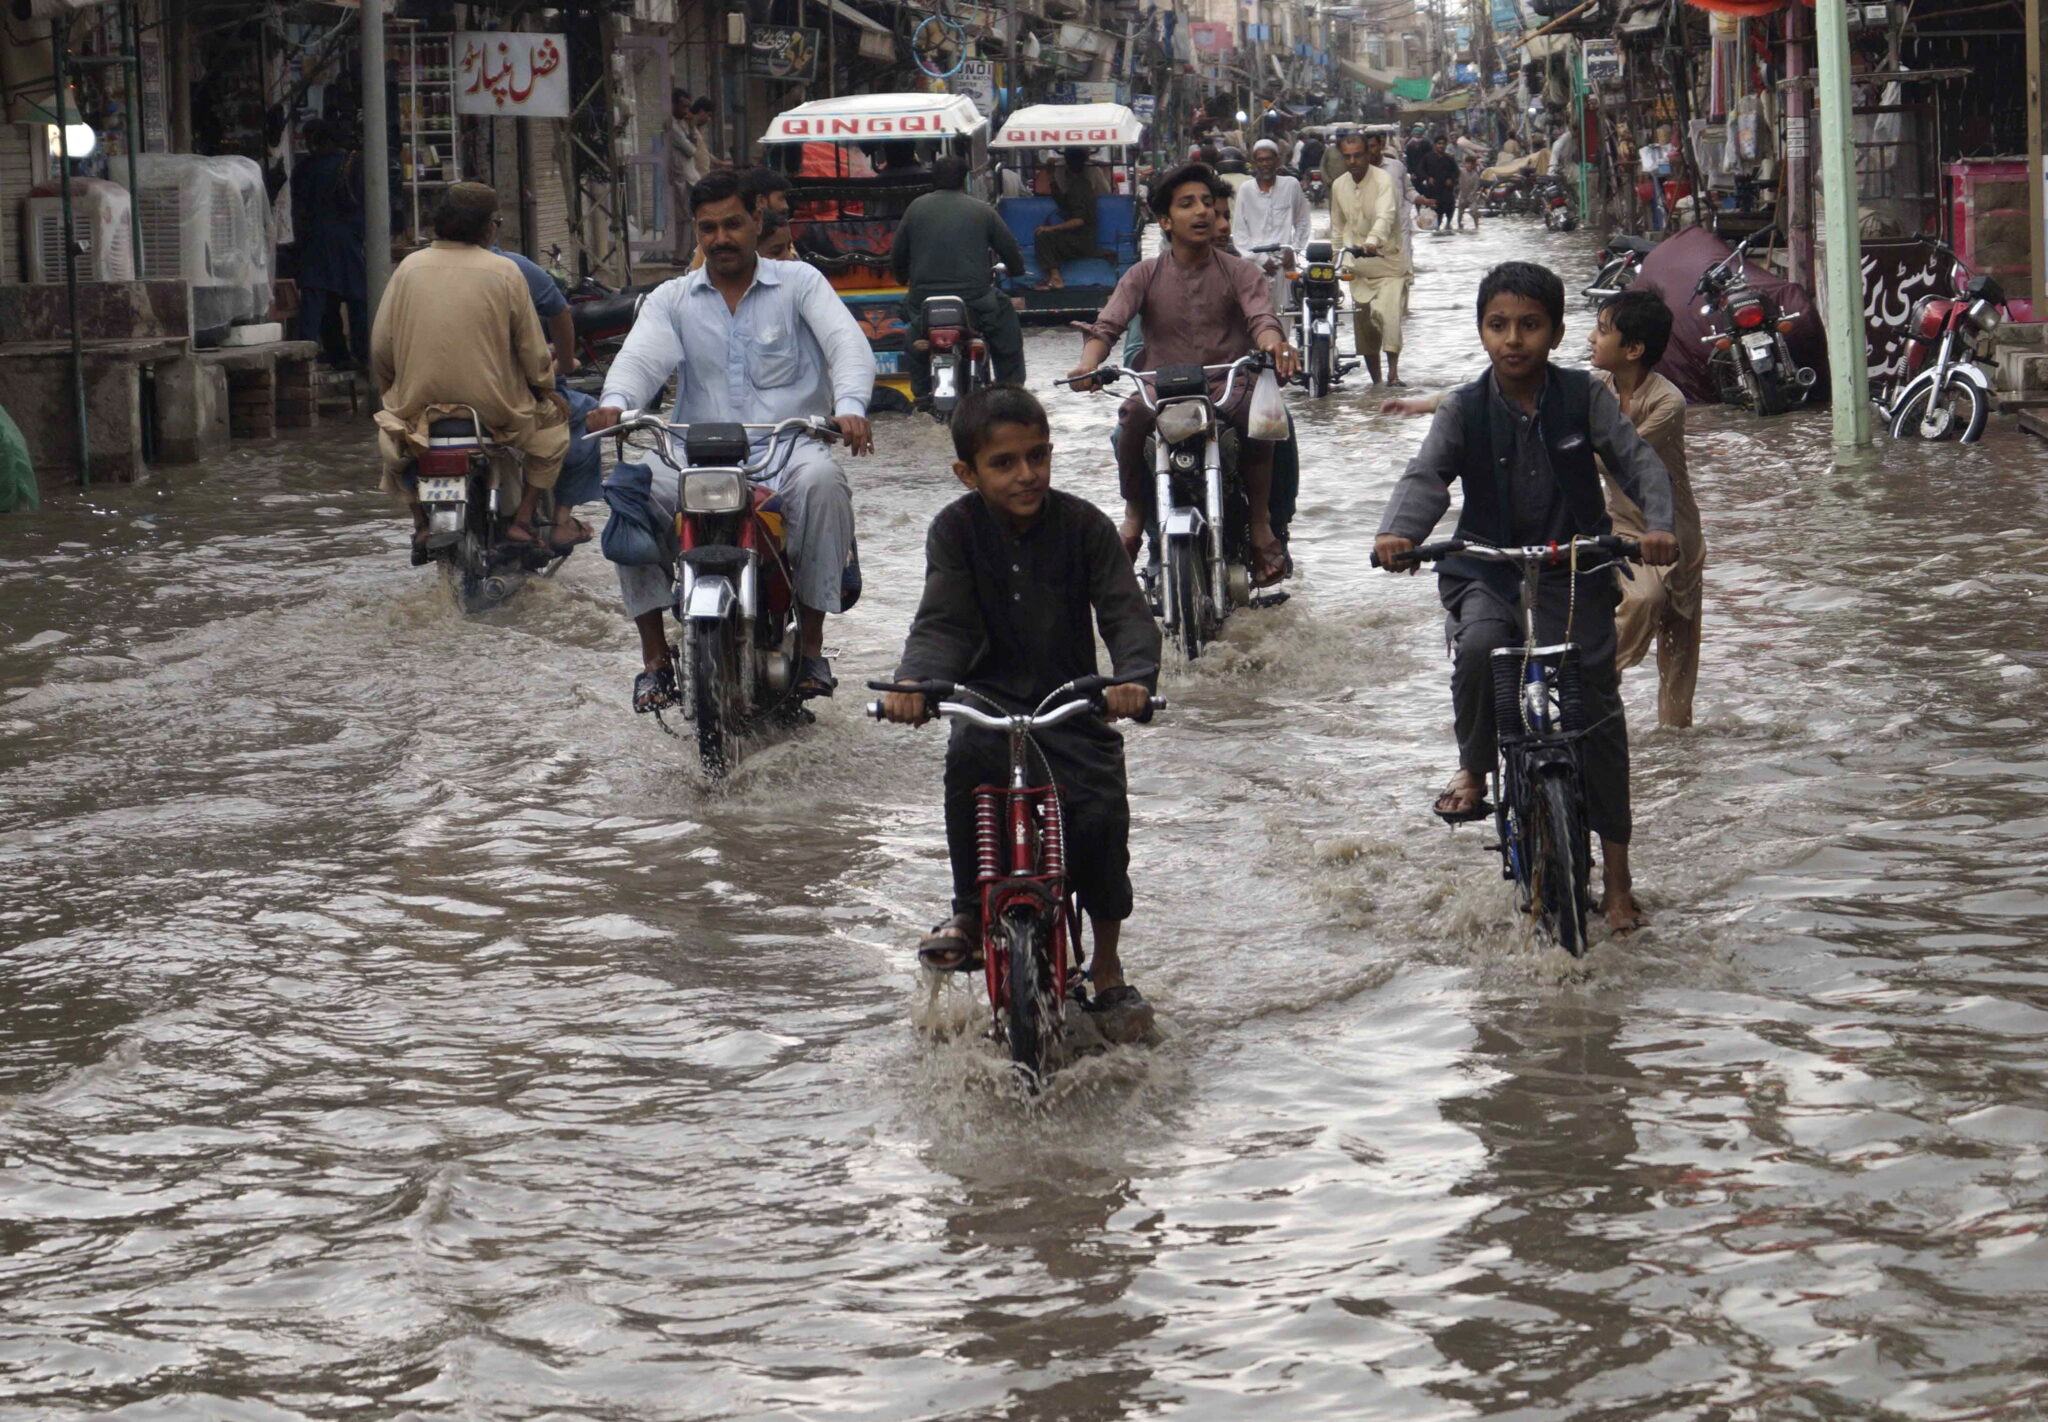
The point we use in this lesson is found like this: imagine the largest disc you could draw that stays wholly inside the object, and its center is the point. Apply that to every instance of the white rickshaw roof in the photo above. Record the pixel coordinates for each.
(1071, 126)
(867, 118)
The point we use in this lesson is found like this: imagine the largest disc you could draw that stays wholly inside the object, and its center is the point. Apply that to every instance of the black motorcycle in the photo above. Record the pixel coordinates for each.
(1316, 322)
(1751, 360)
(470, 488)
(1619, 263)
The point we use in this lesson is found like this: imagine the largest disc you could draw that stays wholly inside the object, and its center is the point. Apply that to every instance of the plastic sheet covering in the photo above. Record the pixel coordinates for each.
(17, 476)
(1673, 268)
(207, 221)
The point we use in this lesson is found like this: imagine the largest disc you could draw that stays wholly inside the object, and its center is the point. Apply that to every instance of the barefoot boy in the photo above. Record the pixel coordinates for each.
(1521, 440)
(1661, 603)
(1017, 578)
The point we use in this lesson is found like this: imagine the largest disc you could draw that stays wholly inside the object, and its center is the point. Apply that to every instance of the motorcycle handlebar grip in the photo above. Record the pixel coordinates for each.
(874, 710)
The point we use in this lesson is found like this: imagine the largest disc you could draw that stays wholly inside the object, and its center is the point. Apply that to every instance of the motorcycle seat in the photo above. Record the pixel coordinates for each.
(947, 311)
(453, 429)
(606, 314)
(1626, 243)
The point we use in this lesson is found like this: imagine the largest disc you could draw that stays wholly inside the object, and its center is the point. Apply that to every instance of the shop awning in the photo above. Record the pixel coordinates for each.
(1372, 78)
(1448, 104)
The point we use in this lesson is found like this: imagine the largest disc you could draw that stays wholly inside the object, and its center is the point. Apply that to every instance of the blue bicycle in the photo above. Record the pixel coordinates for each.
(1539, 717)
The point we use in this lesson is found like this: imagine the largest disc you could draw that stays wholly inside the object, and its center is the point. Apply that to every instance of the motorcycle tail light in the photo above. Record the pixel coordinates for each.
(1747, 318)
(443, 462)
(975, 350)
(714, 491)
(945, 340)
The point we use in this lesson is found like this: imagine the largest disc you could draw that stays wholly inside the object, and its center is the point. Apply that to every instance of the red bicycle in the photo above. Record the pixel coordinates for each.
(1030, 923)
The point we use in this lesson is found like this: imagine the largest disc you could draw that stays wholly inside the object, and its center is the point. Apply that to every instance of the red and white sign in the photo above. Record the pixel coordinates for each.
(1071, 126)
(510, 74)
(860, 118)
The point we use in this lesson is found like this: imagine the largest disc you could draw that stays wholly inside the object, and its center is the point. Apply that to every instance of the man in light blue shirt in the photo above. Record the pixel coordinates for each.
(751, 342)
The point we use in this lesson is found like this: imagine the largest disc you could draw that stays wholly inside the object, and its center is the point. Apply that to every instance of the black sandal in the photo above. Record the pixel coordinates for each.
(1122, 997)
(953, 946)
(655, 690)
(1477, 810)
(815, 679)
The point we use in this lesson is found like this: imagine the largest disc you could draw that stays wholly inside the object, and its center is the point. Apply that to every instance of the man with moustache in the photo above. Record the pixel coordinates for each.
(751, 342)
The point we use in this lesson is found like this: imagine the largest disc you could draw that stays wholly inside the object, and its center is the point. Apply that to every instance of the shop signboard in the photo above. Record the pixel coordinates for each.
(1507, 17)
(1895, 275)
(1212, 39)
(977, 80)
(1603, 61)
(1146, 107)
(511, 74)
(783, 52)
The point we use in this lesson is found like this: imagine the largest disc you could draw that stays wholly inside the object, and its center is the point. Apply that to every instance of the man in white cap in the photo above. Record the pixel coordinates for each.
(1271, 211)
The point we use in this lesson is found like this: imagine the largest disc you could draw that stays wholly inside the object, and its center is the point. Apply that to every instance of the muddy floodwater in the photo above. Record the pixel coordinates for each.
(392, 1025)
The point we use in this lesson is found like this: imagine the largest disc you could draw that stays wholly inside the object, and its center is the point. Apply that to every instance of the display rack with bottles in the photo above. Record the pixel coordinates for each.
(429, 158)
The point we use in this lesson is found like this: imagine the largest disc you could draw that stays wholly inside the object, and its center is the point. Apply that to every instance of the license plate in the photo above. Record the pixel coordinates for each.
(443, 489)
(1759, 343)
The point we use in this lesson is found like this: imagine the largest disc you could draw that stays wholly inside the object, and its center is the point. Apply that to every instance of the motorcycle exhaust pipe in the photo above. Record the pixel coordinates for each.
(497, 589)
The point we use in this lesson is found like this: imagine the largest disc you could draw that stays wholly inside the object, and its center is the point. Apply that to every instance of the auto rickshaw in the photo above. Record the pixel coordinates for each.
(1036, 131)
(854, 165)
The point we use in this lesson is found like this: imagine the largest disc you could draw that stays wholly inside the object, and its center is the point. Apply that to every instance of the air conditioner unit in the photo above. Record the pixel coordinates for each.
(99, 218)
(205, 221)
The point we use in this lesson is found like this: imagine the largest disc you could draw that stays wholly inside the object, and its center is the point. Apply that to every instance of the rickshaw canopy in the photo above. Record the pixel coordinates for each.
(1071, 126)
(867, 118)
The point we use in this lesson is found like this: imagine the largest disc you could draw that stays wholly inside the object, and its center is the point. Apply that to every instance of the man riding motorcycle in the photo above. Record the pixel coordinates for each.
(752, 342)
(1272, 211)
(946, 245)
(456, 332)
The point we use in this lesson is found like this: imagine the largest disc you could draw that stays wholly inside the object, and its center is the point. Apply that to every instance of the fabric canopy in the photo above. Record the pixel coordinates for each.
(1449, 104)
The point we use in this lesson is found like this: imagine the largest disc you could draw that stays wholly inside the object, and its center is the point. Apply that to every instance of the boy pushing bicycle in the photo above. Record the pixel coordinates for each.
(1521, 440)
(1017, 577)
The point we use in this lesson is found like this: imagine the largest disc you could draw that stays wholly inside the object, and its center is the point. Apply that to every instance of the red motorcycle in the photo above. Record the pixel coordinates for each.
(1030, 923)
(1941, 392)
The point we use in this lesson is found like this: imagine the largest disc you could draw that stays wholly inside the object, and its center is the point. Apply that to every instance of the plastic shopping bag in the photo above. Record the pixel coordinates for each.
(1269, 411)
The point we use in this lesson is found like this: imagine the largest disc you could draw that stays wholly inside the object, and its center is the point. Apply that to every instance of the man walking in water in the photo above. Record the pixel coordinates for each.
(1363, 214)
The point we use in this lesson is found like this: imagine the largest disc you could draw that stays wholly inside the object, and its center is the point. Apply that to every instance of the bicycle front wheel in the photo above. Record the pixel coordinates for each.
(1563, 859)
(1030, 1012)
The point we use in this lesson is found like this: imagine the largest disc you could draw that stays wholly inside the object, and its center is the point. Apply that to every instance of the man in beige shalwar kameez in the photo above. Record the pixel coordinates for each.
(1365, 213)
(457, 331)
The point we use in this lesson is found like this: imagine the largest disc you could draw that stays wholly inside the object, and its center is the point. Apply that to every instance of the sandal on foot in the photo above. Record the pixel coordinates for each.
(1270, 564)
(561, 548)
(1122, 997)
(655, 690)
(422, 553)
(953, 946)
(815, 679)
(1451, 794)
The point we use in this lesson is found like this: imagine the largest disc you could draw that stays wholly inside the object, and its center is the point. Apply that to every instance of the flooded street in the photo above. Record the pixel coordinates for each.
(392, 1025)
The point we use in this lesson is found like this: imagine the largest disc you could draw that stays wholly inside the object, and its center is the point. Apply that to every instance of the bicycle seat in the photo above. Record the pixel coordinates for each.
(1175, 381)
(1626, 243)
(453, 429)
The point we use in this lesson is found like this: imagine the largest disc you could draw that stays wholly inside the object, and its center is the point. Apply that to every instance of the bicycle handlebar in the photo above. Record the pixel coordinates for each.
(1085, 692)
(1537, 554)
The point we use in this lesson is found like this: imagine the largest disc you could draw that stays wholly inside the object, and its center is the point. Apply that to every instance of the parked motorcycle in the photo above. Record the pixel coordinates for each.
(601, 316)
(734, 596)
(1619, 265)
(1557, 203)
(1942, 392)
(1201, 523)
(470, 488)
(1316, 322)
(1507, 197)
(960, 361)
(1751, 360)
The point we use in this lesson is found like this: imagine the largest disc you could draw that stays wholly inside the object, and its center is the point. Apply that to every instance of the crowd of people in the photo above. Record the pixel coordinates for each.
(1020, 577)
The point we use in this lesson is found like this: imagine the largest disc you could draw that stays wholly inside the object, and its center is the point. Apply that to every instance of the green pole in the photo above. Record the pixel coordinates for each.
(1847, 365)
(131, 94)
(60, 40)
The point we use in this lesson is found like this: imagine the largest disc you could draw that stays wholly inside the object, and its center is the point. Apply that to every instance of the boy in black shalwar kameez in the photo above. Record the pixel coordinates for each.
(1017, 576)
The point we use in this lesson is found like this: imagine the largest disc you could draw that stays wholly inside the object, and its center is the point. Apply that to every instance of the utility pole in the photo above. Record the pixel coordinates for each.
(1848, 365)
(376, 158)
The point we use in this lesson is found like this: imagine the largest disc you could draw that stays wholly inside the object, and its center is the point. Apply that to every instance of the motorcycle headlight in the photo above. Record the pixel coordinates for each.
(1182, 420)
(1985, 315)
(714, 491)
(1322, 273)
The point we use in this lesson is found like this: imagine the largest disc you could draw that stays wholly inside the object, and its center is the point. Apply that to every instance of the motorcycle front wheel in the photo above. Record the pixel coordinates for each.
(714, 674)
(1318, 367)
(1184, 567)
(1958, 412)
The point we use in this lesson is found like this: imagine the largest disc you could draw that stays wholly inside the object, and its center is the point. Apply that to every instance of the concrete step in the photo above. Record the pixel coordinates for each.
(2022, 370)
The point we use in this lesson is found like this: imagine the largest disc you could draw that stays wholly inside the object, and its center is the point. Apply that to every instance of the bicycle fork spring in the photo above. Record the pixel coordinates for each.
(988, 835)
(1052, 839)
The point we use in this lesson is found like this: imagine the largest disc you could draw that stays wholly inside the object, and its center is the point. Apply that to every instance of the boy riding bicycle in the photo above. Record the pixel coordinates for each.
(1521, 440)
(1017, 578)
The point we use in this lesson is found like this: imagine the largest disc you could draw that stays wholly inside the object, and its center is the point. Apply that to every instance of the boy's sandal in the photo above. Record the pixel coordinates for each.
(1449, 810)
(953, 946)
(1122, 997)
(655, 690)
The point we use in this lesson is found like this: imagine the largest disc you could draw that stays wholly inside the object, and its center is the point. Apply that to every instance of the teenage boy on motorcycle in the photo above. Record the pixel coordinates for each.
(1018, 577)
(1521, 439)
(1200, 306)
